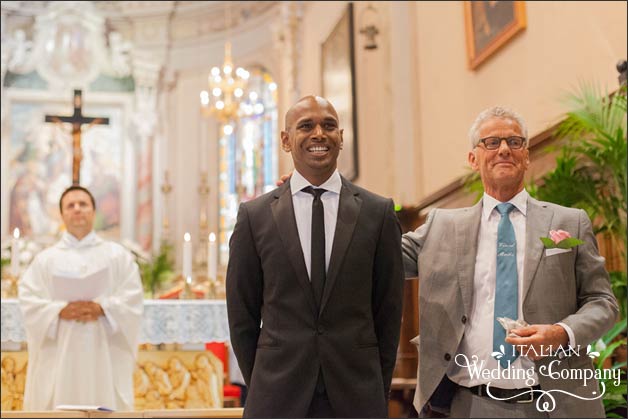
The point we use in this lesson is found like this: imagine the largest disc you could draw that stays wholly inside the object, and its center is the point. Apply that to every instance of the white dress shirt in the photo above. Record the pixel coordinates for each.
(478, 334)
(302, 203)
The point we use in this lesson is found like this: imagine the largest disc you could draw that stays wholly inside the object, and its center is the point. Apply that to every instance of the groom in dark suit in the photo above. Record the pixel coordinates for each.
(314, 284)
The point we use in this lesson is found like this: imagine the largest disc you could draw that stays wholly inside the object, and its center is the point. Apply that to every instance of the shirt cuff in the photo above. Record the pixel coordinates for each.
(572, 338)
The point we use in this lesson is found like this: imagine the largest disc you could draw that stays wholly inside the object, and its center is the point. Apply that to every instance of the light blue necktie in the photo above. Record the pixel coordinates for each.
(506, 289)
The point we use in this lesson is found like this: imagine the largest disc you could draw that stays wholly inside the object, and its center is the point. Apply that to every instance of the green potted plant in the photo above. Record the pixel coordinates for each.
(157, 271)
(590, 174)
(593, 156)
(614, 395)
(3, 262)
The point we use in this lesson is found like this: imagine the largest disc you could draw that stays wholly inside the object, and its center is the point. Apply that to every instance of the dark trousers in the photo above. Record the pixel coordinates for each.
(320, 406)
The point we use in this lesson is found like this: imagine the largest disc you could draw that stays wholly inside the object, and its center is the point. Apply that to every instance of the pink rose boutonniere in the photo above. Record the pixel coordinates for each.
(560, 239)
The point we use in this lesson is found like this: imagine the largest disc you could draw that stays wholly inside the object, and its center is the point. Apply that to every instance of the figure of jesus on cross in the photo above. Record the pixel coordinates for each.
(77, 120)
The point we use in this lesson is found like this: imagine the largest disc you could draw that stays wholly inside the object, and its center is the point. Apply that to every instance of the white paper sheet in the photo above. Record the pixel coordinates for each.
(83, 407)
(69, 287)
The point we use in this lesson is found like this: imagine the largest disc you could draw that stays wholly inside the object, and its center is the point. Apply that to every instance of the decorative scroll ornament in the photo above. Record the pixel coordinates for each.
(70, 48)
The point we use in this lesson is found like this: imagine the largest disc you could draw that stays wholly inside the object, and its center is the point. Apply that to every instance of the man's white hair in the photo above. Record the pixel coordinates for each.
(496, 112)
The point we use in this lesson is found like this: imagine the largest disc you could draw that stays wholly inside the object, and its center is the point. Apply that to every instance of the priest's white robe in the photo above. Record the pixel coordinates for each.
(81, 363)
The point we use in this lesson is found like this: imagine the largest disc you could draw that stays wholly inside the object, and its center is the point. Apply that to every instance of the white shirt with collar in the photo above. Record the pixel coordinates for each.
(478, 335)
(302, 203)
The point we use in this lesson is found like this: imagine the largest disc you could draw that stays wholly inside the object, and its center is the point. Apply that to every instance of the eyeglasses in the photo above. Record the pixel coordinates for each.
(493, 143)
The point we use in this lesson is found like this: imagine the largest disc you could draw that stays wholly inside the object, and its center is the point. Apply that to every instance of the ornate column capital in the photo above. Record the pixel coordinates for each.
(146, 74)
(146, 71)
(288, 39)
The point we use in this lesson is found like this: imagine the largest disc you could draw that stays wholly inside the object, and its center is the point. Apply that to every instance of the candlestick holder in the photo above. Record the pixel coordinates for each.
(187, 293)
(9, 286)
(211, 289)
(166, 188)
(219, 287)
(203, 224)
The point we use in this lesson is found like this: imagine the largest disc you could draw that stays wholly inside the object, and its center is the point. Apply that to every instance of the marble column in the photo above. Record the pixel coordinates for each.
(146, 75)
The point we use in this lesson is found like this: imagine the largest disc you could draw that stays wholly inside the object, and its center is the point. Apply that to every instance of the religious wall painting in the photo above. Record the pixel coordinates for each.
(489, 25)
(338, 86)
(40, 168)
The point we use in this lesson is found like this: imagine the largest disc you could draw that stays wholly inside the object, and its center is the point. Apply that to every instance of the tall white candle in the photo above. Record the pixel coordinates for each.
(212, 257)
(187, 255)
(15, 252)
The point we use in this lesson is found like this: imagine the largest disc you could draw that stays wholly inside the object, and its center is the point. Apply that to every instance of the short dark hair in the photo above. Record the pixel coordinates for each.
(76, 188)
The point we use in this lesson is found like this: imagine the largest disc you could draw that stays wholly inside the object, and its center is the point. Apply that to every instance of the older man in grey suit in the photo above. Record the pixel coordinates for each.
(481, 263)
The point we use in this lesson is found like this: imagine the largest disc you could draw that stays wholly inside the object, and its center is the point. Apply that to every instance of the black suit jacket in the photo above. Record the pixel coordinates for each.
(281, 339)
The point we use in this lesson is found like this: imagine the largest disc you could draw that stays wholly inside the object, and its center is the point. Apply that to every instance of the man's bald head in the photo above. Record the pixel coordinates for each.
(306, 101)
(313, 137)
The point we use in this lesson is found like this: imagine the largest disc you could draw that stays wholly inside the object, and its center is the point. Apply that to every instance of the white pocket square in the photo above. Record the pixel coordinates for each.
(555, 251)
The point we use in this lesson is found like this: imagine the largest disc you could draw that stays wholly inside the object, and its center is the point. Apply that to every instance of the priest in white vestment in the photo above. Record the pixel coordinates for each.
(81, 350)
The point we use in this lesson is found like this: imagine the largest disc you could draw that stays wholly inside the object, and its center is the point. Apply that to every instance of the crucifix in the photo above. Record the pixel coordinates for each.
(77, 119)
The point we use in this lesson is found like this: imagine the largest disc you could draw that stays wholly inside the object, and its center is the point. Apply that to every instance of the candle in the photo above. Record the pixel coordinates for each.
(212, 257)
(15, 252)
(187, 256)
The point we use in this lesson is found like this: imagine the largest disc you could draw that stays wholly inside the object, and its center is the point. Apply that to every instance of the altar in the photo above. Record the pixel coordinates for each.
(164, 321)
(171, 329)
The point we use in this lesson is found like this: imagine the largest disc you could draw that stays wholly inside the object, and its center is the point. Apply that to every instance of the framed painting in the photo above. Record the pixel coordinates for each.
(39, 158)
(489, 25)
(338, 86)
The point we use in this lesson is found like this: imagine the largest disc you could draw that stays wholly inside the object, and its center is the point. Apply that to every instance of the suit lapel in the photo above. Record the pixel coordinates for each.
(283, 214)
(467, 227)
(538, 222)
(348, 211)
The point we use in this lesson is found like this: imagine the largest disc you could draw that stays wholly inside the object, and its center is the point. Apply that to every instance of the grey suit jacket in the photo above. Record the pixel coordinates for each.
(281, 337)
(571, 287)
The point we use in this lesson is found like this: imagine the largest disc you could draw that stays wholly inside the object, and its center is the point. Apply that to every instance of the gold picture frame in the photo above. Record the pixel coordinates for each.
(489, 25)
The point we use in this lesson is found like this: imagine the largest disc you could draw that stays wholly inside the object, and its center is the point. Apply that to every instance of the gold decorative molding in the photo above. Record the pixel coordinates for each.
(161, 380)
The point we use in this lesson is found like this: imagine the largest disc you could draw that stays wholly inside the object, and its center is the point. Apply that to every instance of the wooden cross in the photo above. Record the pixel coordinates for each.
(77, 120)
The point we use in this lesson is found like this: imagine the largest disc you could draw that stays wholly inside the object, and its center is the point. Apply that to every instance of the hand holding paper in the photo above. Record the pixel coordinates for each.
(69, 286)
(537, 340)
(509, 324)
(79, 291)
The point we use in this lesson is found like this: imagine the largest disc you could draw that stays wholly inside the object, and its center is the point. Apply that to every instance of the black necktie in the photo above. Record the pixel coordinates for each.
(317, 261)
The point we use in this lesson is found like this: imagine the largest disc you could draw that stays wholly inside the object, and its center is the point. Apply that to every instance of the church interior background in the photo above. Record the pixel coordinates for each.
(195, 93)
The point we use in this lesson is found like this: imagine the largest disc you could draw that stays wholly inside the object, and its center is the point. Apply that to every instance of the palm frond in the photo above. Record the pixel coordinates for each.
(594, 131)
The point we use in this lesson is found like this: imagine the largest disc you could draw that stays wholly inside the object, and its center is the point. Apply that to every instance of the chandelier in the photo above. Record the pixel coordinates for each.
(226, 89)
